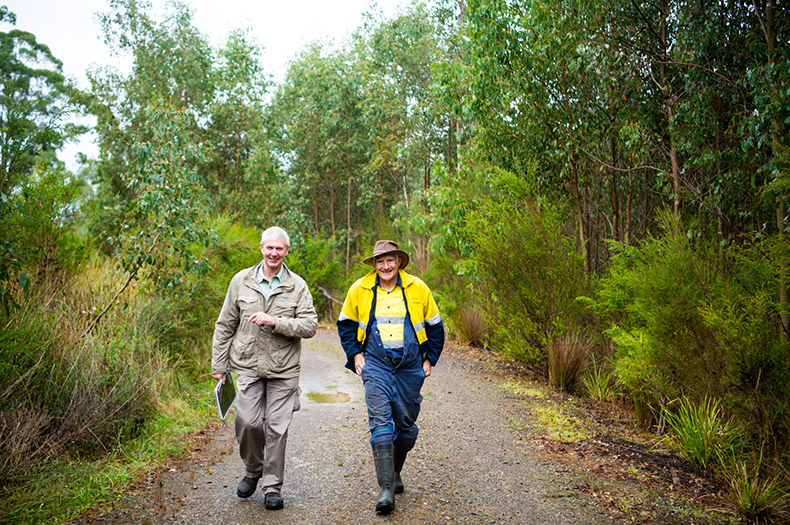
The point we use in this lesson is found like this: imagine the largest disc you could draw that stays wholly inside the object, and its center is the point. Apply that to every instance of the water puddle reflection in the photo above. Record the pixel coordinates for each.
(326, 397)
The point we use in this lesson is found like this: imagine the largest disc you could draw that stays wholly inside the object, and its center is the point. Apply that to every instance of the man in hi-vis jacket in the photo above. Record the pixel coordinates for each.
(392, 334)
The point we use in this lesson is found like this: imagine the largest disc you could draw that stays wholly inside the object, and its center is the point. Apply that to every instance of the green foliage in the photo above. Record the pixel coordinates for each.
(82, 415)
(164, 222)
(235, 175)
(34, 98)
(702, 434)
(316, 260)
(315, 123)
(599, 381)
(65, 394)
(530, 272)
(171, 65)
(686, 324)
(43, 227)
(653, 297)
(759, 498)
(34, 95)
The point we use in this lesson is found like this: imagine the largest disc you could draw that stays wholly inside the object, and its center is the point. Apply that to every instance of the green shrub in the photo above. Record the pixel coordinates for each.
(652, 299)
(701, 434)
(745, 319)
(317, 260)
(72, 399)
(527, 274)
(757, 497)
(67, 394)
(599, 381)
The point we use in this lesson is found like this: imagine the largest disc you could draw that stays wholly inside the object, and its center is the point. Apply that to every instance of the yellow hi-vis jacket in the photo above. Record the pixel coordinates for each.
(357, 315)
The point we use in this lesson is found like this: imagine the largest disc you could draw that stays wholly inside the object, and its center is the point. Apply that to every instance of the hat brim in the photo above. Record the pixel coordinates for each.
(371, 261)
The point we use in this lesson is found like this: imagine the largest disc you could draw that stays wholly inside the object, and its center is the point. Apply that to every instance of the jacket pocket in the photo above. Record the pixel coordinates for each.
(283, 349)
(243, 349)
(248, 305)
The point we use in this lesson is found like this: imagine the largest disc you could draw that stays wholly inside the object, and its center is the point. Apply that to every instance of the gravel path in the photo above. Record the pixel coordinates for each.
(469, 465)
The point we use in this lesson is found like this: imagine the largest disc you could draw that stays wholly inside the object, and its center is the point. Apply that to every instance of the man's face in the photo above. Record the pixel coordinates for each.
(274, 252)
(386, 267)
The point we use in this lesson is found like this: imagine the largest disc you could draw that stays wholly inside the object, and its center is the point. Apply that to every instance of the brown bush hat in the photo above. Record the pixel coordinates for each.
(385, 247)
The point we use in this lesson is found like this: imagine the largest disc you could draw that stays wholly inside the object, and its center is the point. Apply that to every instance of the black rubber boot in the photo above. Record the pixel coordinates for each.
(385, 472)
(398, 459)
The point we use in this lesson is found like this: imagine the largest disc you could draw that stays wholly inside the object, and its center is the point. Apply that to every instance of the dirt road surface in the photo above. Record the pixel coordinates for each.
(471, 464)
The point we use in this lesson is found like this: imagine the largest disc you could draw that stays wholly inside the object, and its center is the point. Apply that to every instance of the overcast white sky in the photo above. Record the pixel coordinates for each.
(282, 27)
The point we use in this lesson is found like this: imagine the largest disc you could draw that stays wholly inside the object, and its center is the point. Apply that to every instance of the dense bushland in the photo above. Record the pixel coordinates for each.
(599, 190)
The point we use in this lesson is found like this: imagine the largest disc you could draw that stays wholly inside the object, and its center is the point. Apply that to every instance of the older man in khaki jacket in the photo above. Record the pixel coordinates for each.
(268, 310)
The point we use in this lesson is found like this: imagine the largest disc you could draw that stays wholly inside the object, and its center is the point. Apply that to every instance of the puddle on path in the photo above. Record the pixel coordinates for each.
(326, 397)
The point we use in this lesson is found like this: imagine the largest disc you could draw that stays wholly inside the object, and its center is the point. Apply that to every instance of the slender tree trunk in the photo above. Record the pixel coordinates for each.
(781, 213)
(332, 209)
(629, 234)
(613, 190)
(237, 170)
(669, 105)
(451, 162)
(577, 200)
(348, 224)
(315, 204)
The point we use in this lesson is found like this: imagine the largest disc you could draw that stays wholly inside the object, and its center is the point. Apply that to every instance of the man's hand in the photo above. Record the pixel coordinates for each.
(219, 377)
(359, 362)
(263, 319)
(426, 365)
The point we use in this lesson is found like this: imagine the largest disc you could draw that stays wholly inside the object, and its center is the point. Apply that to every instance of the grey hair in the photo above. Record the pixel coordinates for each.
(276, 233)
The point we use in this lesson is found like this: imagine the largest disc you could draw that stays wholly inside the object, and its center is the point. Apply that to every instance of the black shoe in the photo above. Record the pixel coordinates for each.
(272, 501)
(247, 486)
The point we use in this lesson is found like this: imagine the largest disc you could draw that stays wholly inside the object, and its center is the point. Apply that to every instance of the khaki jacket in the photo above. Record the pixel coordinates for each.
(262, 351)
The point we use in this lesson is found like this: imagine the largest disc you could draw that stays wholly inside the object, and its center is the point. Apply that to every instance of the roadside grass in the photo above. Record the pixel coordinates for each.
(557, 424)
(550, 415)
(523, 389)
(61, 491)
(760, 498)
(622, 467)
(600, 382)
(83, 415)
(701, 434)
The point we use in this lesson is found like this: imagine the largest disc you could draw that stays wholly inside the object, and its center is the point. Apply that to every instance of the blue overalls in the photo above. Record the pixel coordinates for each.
(392, 387)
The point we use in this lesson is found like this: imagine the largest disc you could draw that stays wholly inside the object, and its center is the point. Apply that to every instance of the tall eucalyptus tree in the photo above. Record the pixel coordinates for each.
(35, 99)
(318, 134)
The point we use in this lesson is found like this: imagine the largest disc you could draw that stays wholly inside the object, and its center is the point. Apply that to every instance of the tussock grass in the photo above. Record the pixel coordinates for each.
(759, 498)
(600, 382)
(702, 434)
(568, 356)
(471, 328)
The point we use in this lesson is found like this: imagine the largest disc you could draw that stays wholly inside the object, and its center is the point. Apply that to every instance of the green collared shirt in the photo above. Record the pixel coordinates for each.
(267, 287)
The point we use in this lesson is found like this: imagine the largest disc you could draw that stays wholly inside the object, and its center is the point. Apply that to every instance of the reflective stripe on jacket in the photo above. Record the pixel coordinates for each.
(356, 316)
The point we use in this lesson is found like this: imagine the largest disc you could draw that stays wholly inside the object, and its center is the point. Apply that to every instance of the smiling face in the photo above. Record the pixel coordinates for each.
(386, 267)
(274, 252)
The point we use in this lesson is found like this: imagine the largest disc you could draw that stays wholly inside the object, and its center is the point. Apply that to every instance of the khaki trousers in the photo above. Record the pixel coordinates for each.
(264, 409)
